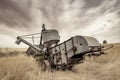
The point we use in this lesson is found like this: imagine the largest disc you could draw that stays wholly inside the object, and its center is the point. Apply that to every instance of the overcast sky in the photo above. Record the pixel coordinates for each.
(97, 18)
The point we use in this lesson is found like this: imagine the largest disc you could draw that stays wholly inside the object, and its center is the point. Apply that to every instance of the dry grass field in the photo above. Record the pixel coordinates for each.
(104, 67)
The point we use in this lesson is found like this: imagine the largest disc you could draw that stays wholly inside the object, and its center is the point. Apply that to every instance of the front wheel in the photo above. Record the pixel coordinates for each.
(45, 65)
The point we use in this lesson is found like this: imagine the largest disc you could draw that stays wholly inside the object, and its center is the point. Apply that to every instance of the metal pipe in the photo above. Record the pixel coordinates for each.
(29, 44)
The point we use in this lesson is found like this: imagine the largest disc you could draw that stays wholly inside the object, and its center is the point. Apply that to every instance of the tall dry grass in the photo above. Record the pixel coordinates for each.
(21, 67)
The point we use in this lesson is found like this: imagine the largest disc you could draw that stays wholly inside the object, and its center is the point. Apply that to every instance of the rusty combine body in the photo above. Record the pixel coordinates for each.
(60, 56)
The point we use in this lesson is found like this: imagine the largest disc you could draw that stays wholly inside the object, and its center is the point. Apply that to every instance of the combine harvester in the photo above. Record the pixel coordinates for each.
(60, 56)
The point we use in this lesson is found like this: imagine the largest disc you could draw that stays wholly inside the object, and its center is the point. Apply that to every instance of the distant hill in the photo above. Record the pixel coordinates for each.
(4, 52)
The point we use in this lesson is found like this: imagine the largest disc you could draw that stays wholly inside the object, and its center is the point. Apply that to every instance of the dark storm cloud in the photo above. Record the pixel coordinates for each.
(51, 9)
(72, 1)
(92, 3)
(97, 18)
(13, 14)
(118, 6)
(117, 3)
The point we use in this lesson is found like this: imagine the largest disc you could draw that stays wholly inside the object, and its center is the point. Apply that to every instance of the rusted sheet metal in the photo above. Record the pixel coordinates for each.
(91, 41)
(50, 37)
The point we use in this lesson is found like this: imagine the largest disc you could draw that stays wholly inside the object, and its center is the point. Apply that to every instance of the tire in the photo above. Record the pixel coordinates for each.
(45, 65)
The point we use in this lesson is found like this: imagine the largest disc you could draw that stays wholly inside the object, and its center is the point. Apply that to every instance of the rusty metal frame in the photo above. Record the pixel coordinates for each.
(73, 44)
(60, 54)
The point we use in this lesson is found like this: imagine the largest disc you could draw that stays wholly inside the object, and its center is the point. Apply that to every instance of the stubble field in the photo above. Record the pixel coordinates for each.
(21, 67)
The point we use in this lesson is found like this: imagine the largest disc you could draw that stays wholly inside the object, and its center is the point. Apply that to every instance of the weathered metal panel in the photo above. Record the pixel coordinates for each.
(50, 36)
(53, 55)
(80, 43)
(58, 56)
(91, 41)
(69, 46)
(64, 51)
(63, 55)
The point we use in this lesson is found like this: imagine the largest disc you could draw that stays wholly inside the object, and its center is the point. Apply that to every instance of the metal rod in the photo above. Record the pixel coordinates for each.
(30, 34)
(29, 44)
(33, 40)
